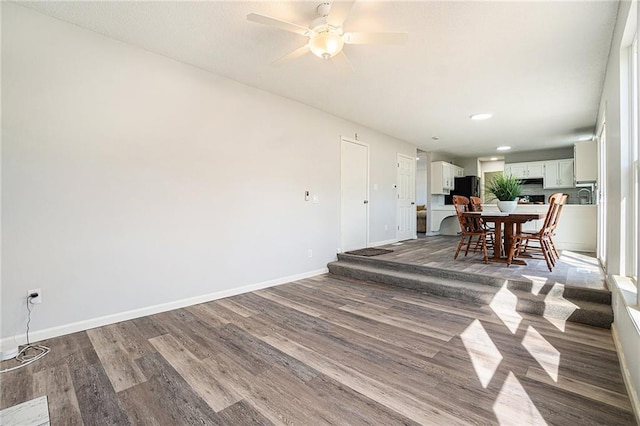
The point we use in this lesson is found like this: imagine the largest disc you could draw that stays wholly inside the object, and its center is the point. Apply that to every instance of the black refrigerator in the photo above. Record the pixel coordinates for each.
(467, 186)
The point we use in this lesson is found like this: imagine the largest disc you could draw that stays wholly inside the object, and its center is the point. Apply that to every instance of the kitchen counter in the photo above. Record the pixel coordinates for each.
(576, 228)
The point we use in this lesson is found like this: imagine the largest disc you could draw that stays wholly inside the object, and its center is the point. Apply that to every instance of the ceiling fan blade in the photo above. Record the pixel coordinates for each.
(293, 55)
(343, 63)
(375, 38)
(278, 23)
(339, 12)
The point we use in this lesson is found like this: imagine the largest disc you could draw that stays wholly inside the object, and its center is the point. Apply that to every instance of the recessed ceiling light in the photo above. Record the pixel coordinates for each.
(481, 116)
(585, 138)
(503, 148)
(417, 158)
(493, 158)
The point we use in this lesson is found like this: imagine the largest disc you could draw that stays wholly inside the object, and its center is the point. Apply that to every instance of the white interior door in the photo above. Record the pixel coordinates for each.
(354, 221)
(406, 190)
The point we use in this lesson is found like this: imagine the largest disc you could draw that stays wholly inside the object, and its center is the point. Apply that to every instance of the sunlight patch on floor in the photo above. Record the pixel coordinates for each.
(513, 405)
(504, 304)
(537, 283)
(560, 324)
(579, 260)
(484, 354)
(547, 356)
(558, 308)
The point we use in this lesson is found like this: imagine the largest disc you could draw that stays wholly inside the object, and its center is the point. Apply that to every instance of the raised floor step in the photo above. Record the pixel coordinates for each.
(586, 306)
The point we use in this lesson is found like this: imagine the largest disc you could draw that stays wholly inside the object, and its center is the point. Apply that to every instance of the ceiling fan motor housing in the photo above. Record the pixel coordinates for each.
(323, 9)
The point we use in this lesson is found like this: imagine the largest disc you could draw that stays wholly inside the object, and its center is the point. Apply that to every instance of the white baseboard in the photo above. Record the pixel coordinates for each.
(383, 243)
(628, 381)
(9, 345)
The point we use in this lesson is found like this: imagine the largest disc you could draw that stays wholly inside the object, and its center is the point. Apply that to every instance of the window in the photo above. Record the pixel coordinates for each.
(634, 148)
(632, 251)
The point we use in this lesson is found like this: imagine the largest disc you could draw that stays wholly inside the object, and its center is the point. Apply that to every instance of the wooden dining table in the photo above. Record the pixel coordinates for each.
(506, 224)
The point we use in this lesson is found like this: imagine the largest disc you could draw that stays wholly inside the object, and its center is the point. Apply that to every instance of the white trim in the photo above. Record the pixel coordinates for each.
(384, 243)
(628, 382)
(8, 345)
(623, 291)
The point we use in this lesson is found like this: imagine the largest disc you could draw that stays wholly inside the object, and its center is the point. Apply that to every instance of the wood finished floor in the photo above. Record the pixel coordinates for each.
(573, 268)
(328, 351)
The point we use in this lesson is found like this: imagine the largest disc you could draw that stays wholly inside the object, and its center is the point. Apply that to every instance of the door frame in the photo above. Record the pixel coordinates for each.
(601, 240)
(344, 140)
(412, 179)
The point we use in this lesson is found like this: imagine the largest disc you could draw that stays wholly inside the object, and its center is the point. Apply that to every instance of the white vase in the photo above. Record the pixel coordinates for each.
(507, 206)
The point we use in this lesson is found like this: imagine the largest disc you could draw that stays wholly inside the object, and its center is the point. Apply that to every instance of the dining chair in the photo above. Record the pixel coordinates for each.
(475, 205)
(560, 199)
(543, 237)
(471, 227)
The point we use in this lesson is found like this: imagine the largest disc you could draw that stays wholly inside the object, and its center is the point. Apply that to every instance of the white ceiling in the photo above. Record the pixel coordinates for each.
(537, 66)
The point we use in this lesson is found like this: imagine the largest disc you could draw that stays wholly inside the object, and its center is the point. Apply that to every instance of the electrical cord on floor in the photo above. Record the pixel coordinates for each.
(29, 353)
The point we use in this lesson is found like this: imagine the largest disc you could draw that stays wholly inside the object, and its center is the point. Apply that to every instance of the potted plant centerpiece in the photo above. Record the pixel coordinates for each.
(507, 189)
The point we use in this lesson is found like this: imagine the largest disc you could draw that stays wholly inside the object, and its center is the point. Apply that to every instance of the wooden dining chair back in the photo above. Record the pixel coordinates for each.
(471, 228)
(476, 204)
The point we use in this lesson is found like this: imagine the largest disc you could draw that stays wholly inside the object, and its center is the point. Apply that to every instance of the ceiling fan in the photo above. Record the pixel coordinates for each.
(326, 35)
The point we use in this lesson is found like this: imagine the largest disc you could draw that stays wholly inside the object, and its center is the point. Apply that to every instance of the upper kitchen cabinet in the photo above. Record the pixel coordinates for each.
(530, 170)
(585, 155)
(559, 174)
(443, 176)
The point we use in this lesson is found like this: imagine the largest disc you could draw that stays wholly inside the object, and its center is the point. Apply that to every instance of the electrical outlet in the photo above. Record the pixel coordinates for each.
(35, 300)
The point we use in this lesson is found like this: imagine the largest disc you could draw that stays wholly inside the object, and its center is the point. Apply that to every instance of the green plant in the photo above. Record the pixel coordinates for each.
(504, 187)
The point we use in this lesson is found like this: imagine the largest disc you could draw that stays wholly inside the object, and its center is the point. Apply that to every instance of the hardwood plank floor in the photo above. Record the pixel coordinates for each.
(328, 350)
(573, 269)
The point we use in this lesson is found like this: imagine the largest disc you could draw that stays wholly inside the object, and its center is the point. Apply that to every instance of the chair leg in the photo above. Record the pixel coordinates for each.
(546, 255)
(484, 249)
(468, 245)
(555, 250)
(552, 255)
(459, 247)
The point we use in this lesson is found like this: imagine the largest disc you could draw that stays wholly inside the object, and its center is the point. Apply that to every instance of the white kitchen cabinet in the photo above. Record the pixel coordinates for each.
(576, 227)
(585, 155)
(530, 170)
(535, 170)
(559, 174)
(443, 176)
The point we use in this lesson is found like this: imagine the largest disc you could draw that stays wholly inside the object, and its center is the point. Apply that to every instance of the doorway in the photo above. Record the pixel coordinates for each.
(354, 199)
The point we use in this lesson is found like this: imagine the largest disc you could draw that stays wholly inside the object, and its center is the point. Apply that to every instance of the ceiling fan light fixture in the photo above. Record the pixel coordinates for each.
(481, 116)
(326, 44)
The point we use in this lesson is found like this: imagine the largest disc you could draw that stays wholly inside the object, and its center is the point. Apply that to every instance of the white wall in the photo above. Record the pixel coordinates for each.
(539, 155)
(421, 178)
(131, 181)
(626, 327)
